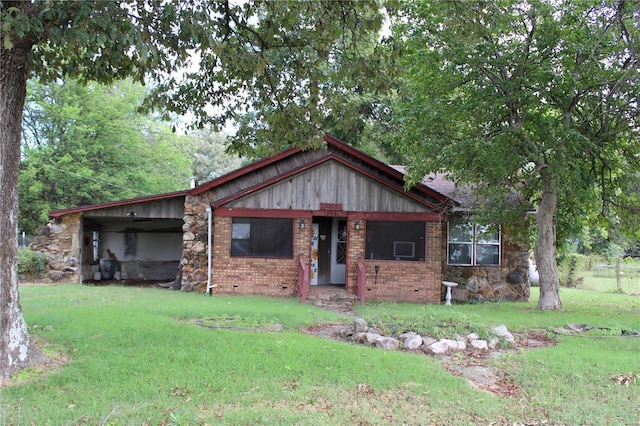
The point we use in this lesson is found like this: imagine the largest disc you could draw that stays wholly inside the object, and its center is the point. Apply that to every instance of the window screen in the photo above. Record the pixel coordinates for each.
(262, 237)
(388, 240)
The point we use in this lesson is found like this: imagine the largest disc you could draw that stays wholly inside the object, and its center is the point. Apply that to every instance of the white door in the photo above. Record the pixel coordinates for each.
(338, 250)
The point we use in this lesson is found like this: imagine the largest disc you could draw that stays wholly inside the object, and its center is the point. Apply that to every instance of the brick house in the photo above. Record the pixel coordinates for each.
(332, 216)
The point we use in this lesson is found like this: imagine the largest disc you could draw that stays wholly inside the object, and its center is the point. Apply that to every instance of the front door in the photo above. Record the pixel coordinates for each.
(322, 225)
(330, 253)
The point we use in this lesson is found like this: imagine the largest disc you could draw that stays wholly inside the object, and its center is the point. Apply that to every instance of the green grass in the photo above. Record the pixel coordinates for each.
(604, 279)
(599, 274)
(136, 357)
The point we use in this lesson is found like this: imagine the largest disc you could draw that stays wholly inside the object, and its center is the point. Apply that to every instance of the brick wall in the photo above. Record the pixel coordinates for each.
(399, 281)
(262, 276)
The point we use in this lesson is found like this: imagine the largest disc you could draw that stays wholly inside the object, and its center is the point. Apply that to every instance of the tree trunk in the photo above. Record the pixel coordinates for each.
(546, 247)
(16, 348)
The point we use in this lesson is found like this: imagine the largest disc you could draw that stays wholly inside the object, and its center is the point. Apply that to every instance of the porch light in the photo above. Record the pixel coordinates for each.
(303, 224)
(357, 225)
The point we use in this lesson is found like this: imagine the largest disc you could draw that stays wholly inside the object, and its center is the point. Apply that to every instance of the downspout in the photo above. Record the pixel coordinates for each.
(209, 286)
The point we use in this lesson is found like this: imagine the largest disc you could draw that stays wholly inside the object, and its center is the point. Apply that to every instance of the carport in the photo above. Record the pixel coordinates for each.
(132, 240)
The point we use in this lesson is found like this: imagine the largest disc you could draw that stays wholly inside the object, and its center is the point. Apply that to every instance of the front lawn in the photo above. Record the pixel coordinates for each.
(135, 356)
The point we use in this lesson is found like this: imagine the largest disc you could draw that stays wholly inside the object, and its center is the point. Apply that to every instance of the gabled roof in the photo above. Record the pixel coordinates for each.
(430, 195)
(336, 151)
(332, 142)
(427, 190)
(168, 195)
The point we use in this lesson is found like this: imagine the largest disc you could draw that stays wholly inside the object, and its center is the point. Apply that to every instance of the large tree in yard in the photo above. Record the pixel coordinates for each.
(213, 57)
(535, 97)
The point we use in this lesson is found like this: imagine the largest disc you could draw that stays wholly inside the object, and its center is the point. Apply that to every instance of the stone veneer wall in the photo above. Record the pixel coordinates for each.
(399, 281)
(193, 264)
(60, 241)
(510, 281)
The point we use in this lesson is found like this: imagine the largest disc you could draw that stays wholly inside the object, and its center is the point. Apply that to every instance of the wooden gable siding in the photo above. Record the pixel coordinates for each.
(172, 208)
(257, 177)
(329, 183)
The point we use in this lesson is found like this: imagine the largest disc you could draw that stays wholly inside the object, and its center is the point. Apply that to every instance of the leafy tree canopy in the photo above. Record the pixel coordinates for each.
(538, 97)
(87, 144)
(288, 63)
(210, 156)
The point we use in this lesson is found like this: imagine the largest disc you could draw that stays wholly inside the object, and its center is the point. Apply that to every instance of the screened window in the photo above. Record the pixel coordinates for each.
(262, 237)
(470, 244)
(395, 240)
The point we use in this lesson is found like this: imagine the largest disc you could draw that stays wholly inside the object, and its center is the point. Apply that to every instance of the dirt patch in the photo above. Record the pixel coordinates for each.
(484, 377)
(477, 369)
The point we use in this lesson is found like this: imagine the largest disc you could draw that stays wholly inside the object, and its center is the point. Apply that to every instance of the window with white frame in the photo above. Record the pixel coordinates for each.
(472, 244)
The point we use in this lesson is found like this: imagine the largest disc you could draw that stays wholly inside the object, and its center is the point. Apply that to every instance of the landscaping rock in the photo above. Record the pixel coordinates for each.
(454, 344)
(472, 336)
(438, 348)
(387, 343)
(413, 341)
(479, 344)
(426, 340)
(493, 342)
(471, 352)
(360, 325)
(372, 337)
(407, 334)
(502, 332)
(359, 337)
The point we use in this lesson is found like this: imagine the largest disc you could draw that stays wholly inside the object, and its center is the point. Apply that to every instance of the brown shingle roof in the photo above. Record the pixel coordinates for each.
(442, 183)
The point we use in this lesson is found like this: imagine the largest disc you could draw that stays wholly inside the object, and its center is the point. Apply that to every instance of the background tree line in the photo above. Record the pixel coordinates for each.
(88, 144)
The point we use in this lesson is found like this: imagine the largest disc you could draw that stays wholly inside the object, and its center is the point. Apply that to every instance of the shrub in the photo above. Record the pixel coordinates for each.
(30, 263)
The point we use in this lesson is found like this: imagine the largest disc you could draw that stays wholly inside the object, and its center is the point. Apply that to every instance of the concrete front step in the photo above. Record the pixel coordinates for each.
(334, 296)
(335, 300)
(342, 307)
